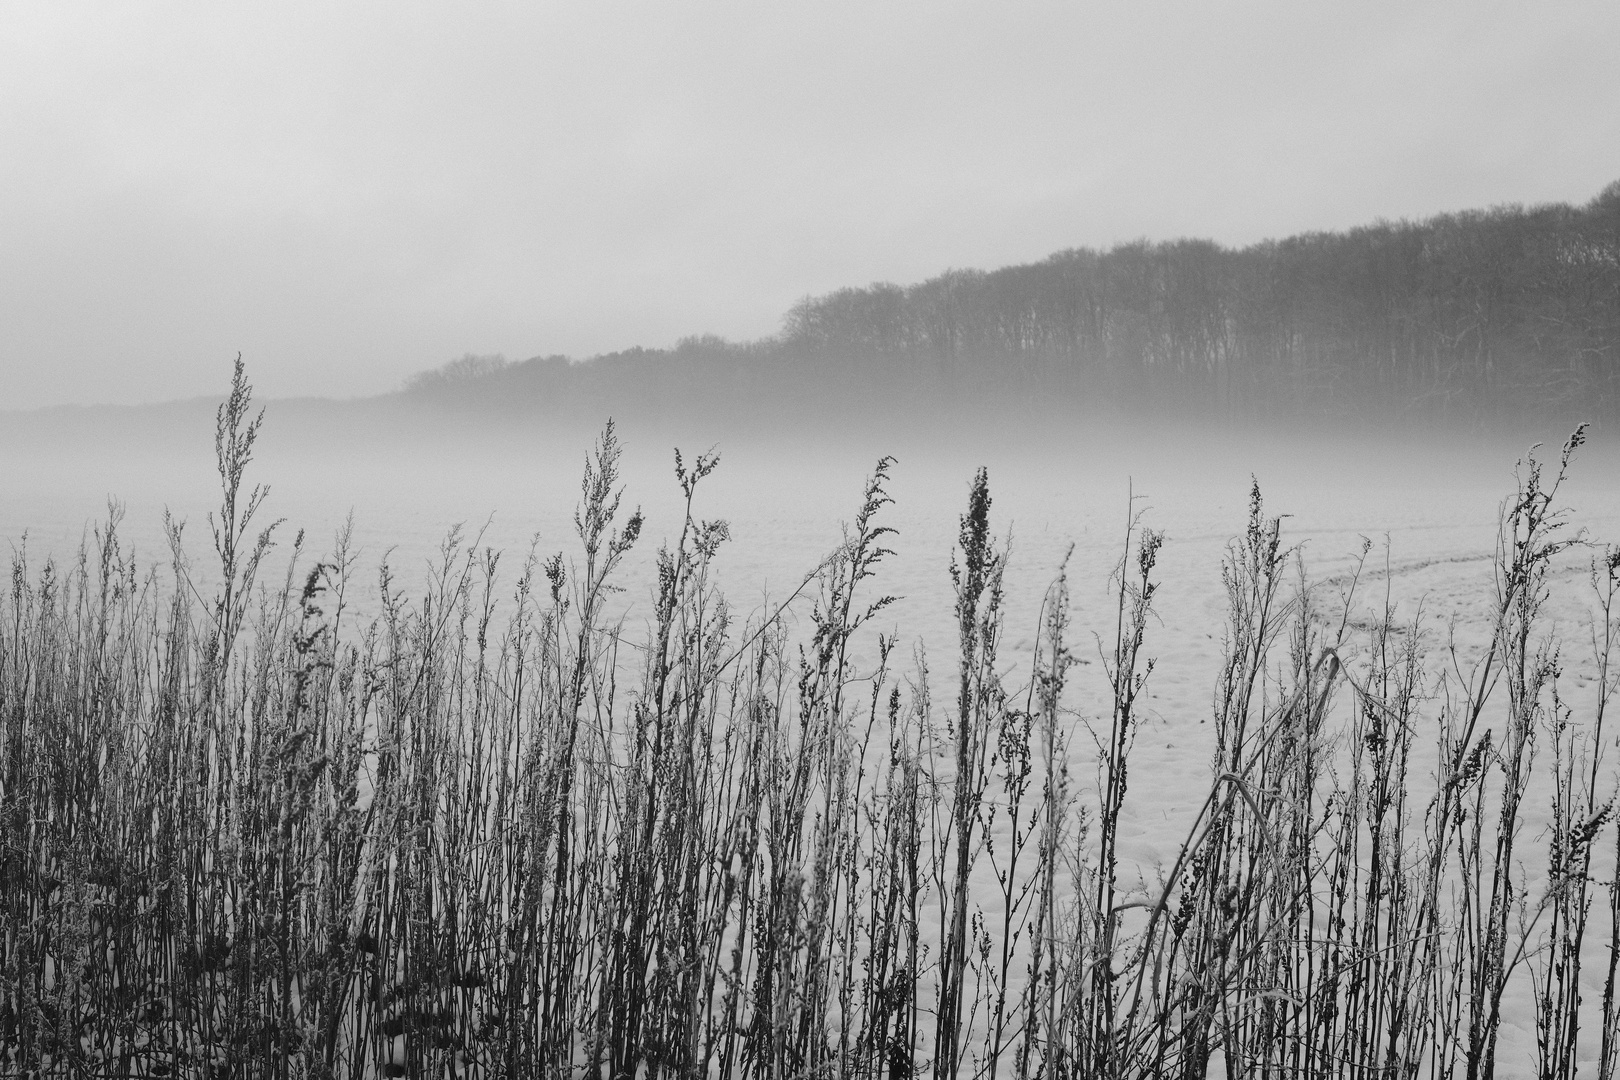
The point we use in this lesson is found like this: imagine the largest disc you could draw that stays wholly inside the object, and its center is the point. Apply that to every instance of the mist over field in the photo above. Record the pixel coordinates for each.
(408, 477)
(321, 459)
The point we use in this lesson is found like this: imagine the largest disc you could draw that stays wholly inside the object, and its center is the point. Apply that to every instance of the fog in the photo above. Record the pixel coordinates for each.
(351, 193)
(406, 482)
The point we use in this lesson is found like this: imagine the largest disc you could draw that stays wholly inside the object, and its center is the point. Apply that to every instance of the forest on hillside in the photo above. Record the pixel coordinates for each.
(1511, 312)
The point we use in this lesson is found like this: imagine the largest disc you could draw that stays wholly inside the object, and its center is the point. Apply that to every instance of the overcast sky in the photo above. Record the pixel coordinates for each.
(348, 193)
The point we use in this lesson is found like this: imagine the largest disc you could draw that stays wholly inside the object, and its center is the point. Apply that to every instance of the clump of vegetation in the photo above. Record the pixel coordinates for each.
(486, 833)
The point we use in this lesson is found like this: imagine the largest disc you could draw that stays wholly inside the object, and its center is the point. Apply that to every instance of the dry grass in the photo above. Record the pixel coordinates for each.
(487, 834)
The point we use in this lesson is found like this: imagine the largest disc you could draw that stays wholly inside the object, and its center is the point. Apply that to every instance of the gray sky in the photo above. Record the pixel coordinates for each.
(347, 193)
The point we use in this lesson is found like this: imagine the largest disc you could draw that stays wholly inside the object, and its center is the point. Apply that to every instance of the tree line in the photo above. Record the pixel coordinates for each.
(1508, 312)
